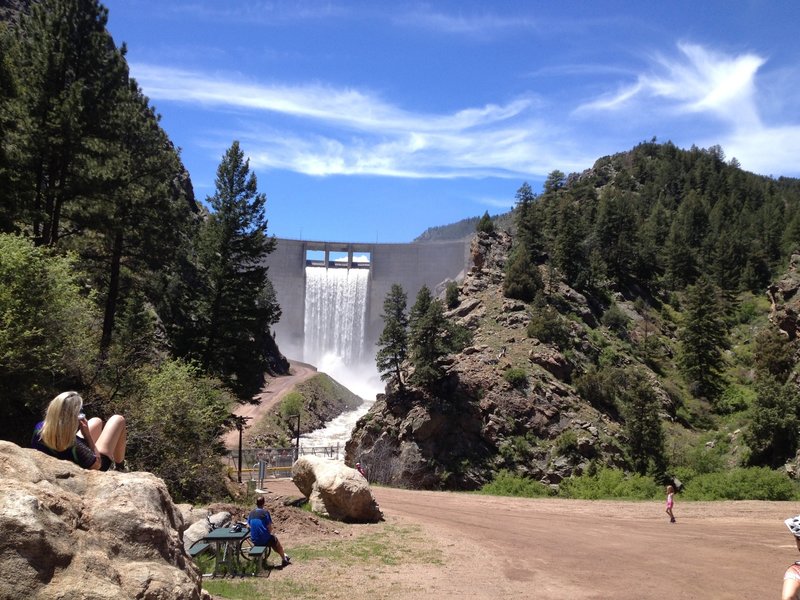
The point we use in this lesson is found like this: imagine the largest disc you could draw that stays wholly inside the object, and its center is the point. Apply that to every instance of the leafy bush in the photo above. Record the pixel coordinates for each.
(174, 423)
(291, 405)
(516, 376)
(566, 443)
(610, 483)
(47, 340)
(507, 484)
(734, 398)
(547, 326)
(616, 320)
(753, 483)
(451, 294)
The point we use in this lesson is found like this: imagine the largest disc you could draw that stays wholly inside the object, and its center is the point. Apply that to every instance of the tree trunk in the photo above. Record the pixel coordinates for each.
(113, 294)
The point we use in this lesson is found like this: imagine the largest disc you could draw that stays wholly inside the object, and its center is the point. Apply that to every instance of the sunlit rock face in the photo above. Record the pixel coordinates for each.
(66, 532)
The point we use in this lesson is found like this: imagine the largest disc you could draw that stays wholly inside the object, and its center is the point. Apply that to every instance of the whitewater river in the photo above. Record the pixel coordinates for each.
(364, 382)
(335, 311)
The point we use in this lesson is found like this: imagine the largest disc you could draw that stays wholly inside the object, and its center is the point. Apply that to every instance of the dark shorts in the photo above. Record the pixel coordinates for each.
(105, 462)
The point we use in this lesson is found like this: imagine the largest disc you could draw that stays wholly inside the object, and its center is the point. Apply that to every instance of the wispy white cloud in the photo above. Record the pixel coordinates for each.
(320, 130)
(484, 24)
(501, 203)
(347, 131)
(254, 11)
(699, 81)
(342, 106)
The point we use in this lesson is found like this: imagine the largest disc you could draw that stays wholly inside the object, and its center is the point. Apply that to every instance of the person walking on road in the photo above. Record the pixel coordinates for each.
(670, 502)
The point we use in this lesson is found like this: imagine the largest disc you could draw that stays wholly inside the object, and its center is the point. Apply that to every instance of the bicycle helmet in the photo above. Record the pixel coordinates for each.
(793, 523)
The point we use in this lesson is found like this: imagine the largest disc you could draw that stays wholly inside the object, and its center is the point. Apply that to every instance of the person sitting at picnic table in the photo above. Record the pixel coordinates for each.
(260, 523)
(65, 433)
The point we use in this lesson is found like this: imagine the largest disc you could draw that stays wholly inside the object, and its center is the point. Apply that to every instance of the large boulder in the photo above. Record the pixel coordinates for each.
(66, 532)
(335, 490)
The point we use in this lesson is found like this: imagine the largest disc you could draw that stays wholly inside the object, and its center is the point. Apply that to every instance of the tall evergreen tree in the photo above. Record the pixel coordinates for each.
(241, 308)
(640, 409)
(529, 232)
(703, 338)
(773, 432)
(616, 234)
(393, 341)
(70, 78)
(428, 339)
(569, 253)
(522, 279)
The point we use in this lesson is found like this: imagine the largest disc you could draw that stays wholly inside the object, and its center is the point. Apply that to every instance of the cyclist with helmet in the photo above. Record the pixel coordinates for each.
(791, 579)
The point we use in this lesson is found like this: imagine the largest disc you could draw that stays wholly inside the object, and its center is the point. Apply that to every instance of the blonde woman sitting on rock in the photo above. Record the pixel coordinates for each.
(65, 433)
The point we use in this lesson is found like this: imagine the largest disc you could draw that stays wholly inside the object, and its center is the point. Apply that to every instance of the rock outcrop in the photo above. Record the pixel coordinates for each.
(335, 490)
(785, 298)
(66, 532)
(477, 422)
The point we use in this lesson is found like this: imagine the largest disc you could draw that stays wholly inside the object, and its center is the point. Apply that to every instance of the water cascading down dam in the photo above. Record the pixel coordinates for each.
(335, 314)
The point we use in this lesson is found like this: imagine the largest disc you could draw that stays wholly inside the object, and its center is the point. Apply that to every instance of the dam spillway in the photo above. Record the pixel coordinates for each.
(409, 265)
(335, 311)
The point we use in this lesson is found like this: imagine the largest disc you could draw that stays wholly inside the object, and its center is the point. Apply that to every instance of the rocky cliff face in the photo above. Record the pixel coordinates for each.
(785, 298)
(478, 422)
(70, 533)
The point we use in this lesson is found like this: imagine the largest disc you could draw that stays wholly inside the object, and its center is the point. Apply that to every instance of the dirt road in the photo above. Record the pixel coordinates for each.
(562, 549)
(273, 391)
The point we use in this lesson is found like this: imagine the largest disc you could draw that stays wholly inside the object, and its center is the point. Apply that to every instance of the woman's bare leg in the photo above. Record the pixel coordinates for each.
(113, 439)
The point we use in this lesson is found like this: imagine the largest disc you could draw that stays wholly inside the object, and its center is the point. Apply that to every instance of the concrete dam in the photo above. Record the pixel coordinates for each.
(331, 293)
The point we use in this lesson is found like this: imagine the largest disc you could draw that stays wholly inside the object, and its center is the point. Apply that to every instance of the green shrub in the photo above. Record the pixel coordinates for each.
(747, 311)
(516, 376)
(451, 294)
(506, 484)
(174, 424)
(291, 405)
(516, 449)
(522, 279)
(566, 443)
(616, 320)
(48, 338)
(610, 483)
(548, 327)
(753, 483)
(734, 398)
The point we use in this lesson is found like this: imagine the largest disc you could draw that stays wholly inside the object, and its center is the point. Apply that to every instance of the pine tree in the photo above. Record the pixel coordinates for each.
(485, 224)
(774, 354)
(393, 341)
(70, 78)
(240, 308)
(645, 435)
(428, 339)
(569, 251)
(529, 234)
(522, 279)
(703, 339)
(773, 432)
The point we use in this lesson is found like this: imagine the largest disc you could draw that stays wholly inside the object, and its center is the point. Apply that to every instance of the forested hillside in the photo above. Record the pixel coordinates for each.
(626, 322)
(114, 280)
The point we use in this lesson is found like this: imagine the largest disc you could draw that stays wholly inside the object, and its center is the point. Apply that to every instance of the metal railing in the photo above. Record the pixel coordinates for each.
(265, 463)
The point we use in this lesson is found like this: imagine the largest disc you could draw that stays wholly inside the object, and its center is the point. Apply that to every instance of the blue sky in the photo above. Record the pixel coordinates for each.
(371, 121)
